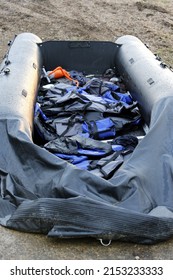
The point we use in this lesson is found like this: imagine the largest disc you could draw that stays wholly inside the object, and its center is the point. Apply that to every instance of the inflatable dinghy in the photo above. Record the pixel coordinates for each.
(41, 192)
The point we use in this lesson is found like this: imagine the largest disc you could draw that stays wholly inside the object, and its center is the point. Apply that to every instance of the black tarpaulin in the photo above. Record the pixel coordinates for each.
(42, 193)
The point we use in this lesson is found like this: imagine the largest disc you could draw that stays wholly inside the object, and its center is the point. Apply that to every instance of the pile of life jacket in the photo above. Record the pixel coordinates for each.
(86, 120)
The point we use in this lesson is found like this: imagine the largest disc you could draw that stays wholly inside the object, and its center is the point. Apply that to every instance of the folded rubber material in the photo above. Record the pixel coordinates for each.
(43, 193)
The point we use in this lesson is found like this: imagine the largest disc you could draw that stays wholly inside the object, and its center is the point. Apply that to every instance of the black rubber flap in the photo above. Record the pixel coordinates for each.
(91, 57)
(43, 193)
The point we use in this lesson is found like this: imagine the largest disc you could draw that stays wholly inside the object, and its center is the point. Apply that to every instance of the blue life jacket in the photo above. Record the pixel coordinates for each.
(101, 129)
(74, 159)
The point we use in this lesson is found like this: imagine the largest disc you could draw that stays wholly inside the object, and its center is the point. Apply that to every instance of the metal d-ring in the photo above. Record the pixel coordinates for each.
(105, 244)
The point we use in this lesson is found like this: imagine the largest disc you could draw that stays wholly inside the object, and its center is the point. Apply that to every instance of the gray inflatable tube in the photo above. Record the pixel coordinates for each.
(147, 78)
(19, 79)
(42, 193)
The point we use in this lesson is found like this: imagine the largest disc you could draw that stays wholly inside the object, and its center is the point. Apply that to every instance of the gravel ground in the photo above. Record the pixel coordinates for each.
(152, 22)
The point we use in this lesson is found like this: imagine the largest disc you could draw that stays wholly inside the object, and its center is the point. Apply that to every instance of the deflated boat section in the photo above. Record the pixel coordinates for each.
(43, 193)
